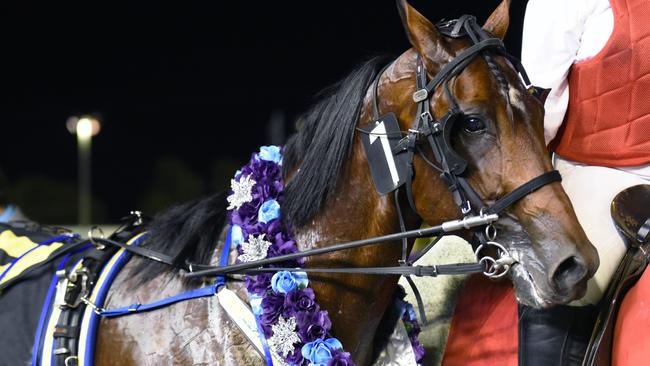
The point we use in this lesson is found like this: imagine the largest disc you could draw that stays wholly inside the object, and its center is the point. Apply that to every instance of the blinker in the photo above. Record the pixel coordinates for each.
(381, 142)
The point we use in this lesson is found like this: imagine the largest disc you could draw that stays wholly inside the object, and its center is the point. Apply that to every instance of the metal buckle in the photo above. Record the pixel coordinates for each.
(420, 95)
(138, 217)
(71, 361)
(61, 351)
(98, 310)
(61, 288)
(426, 116)
(78, 278)
(466, 208)
(91, 231)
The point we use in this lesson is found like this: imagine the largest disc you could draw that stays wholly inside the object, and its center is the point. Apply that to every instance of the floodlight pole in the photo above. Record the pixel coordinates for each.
(84, 144)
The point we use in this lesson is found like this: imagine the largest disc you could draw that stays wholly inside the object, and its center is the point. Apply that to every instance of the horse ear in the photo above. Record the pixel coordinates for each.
(420, 31)
(497, 23)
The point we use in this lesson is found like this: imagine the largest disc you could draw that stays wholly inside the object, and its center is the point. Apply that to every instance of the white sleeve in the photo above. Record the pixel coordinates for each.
(550, 42)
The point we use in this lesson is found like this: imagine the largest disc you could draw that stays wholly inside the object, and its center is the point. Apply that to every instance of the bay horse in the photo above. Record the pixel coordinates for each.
(330, 198)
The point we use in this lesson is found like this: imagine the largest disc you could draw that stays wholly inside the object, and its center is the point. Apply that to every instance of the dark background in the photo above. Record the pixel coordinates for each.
(185, 90)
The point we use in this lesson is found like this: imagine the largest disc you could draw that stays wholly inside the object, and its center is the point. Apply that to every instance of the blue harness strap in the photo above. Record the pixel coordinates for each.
(223, 259)
(45, 311)
(139, 308)
(91, 318)
(193, 294)
(265, 344)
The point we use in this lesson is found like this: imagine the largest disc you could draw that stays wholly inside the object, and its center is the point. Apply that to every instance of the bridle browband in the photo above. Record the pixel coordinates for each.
(451, 165)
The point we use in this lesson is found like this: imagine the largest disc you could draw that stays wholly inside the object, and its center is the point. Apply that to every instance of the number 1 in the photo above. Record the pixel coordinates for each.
(379, 132)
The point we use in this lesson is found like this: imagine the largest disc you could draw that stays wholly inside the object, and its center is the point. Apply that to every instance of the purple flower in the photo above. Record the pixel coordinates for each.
(286, 293)
(413, 329)
(313, 325)
(295, 357)
(418, 349)
(340, 358)
(260, 284)
(272, 305)
(301, 300)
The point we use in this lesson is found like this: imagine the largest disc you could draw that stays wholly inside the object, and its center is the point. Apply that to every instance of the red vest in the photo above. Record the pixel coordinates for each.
(608, 119)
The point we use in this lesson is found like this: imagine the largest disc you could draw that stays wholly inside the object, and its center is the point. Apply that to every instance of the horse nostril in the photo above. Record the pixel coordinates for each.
(569, 273)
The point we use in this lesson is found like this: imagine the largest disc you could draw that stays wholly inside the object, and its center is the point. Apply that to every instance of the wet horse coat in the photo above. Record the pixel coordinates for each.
(329, 199)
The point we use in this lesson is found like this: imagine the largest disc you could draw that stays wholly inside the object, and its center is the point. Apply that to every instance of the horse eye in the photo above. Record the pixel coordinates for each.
(474, 125)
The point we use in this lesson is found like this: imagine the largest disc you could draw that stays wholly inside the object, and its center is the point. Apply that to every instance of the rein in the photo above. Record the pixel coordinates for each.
(452, 166)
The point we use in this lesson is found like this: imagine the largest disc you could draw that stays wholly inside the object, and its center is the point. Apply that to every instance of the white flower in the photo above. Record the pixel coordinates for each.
(284, 336)
(255, 249)
(241, 192)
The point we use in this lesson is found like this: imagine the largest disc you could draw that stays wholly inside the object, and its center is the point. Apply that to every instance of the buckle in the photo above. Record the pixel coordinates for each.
(437, 127)
(61, 351)
(420, 95)
(66, 286)
(466, 208)
(97, 309)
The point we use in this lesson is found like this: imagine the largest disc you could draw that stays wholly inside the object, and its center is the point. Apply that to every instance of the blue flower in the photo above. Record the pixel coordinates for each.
(256, 303)
(319, 352)
(236, 235)
(271, 153)
(269, 210)
(285, 281)
(411, 312)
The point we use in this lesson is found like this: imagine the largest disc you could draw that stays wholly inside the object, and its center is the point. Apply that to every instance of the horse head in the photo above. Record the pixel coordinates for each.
(499, 133)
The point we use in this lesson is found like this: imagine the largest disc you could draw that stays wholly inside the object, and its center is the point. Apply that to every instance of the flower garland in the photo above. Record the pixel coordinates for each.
(293, 323)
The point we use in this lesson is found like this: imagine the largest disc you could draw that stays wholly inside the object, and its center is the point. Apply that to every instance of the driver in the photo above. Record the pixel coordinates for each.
(593, 55)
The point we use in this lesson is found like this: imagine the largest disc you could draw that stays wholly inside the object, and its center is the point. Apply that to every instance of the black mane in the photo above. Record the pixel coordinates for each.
(190, 231)
(322, 144)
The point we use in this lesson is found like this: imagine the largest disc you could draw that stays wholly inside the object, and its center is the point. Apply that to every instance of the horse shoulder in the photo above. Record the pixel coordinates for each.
(185, 333)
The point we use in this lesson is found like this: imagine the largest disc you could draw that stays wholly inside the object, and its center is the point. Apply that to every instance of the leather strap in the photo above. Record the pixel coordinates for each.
(144, 252)
(464, 56)
(524, 190)
(419, 271)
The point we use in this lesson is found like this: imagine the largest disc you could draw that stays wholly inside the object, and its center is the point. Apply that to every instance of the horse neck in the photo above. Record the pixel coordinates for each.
(355, 303)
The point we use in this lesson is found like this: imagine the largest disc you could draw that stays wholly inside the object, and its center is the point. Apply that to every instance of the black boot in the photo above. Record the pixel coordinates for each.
(554, 337)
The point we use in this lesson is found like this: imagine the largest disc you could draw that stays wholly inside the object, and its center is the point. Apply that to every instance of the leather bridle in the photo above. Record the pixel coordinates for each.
(475, 213)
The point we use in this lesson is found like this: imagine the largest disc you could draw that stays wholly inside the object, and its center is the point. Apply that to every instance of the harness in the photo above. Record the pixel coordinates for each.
(65, 333)
(78, 304)
(475, 212)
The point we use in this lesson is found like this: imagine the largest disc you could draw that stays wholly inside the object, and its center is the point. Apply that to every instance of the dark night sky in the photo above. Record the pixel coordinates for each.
(197, 80)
